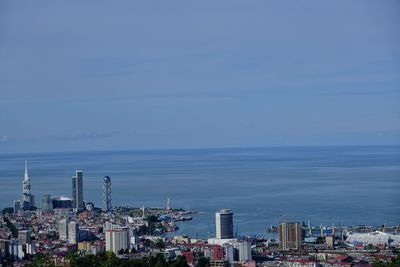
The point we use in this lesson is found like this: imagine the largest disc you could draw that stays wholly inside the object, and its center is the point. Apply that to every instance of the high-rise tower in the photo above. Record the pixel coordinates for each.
(27, 199)
(46, 203)
(107, 193)
(289, 235)
(77, 191)
(224, 224)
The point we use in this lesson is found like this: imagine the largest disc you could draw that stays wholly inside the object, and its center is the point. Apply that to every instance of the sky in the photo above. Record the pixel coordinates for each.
(112, 75)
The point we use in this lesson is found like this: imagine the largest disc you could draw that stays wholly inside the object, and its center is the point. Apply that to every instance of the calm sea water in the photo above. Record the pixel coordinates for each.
(326, 185)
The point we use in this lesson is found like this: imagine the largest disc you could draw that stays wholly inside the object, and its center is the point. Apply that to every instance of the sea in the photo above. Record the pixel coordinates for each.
(342, 185)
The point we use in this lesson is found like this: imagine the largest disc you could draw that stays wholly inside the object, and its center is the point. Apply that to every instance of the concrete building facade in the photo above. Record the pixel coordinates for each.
(63, 229)
(117, 239)
(24, 236)
(73, 232)
(289, 235)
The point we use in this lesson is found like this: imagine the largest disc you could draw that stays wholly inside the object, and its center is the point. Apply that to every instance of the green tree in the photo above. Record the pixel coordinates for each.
(8, 210)
(180, 261)
(395, 262)
(11, 226)
(160, 243)
(152, 219)
(41, 260)
(161, 263)
(203, 262)
(110, 260)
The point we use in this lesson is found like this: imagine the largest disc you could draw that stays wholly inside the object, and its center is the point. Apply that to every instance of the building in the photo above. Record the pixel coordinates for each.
(86, 246)
(109, 226)
(107, 193)
(73, 192)
(89, 206)
(242, 251)
(73, 232)
(46, 203)
(117, 239)
(229, 253)
(224, 224)
(189, 256)
(98, 247)
(77, 191)
(234, 251)
(63, 229)
(218, 253)
(84, 235)
(4, 248)
(289, 236)
(17, 205)
(27, 199)
(330, 241)
(374, 238)
(135, 242)
(15, 250)
(61, 202)
(31, 249)
(24, 236)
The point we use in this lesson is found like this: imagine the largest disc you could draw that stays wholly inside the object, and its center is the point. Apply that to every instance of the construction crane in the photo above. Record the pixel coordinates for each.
(283, 217)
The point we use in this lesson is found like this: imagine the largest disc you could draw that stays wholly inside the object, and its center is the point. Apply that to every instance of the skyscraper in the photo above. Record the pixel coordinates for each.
(27, 199)
(73, 192)
(77, 190)
(46, 203)
(107, 193)
(289, 235)
(224, 224)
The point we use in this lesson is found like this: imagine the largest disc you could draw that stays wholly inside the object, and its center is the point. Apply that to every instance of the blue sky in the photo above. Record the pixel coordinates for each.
(100, 75)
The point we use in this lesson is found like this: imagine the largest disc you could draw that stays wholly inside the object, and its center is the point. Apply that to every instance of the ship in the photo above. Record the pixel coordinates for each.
(183, 218)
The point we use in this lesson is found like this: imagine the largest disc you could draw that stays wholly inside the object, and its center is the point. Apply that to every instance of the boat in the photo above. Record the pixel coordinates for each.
(183, 218)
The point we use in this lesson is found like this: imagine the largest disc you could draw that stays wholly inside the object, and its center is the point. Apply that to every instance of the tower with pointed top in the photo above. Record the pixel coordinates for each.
(27, 199)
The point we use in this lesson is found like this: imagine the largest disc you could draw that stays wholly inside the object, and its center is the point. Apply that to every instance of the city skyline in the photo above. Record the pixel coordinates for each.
(127, 233)
(200, 133)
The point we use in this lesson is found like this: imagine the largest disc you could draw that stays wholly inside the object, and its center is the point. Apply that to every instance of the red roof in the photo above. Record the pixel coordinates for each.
(341, 257)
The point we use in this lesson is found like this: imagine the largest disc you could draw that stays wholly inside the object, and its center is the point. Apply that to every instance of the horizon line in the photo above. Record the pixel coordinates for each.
(197, 148)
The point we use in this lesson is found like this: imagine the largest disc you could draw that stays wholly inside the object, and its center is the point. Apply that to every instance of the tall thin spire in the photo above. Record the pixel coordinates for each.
(26, 176)
(27, 199)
